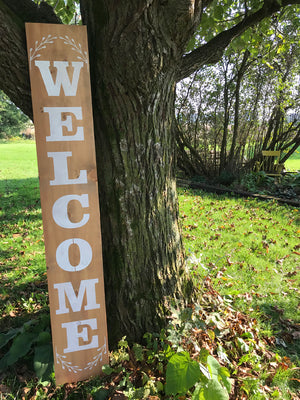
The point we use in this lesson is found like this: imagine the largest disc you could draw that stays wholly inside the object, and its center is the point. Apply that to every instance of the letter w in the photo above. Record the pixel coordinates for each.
(65, 290)
(62, 77)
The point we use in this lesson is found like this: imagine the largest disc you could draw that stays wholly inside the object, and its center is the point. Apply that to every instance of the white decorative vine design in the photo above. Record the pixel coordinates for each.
(35, 53)
(75, 368)
(98, 357)
(67, 364)
(83, 55)
(39, 46)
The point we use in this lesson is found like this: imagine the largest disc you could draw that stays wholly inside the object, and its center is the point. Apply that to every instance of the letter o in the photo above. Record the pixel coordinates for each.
(62, 255)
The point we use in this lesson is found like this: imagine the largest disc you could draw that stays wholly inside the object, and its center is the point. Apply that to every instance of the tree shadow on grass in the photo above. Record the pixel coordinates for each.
(23, 290)
(287, 331)
(20, 194)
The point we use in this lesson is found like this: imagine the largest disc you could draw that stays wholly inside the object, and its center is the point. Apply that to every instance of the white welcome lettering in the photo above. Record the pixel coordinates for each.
(62, 77)
(62, 255)
(60, 211)
(57, 123)
(65, 290)
(61, 174)
(73, 335)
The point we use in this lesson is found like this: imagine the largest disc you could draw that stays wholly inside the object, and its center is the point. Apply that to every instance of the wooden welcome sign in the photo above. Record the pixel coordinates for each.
(62, 109)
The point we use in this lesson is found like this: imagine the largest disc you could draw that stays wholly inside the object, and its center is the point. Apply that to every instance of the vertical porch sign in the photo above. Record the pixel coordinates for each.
(62, 110)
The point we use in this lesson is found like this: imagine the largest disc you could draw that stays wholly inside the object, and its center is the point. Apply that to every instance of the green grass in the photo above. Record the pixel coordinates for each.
(18, 160)
(293, 163)
(22, 262)
(248, 250)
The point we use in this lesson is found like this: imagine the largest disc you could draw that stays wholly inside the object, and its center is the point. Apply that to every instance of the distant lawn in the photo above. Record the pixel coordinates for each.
(18, 159)
(292, 164)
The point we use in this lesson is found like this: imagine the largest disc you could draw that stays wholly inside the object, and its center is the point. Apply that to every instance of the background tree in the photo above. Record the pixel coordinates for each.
(12, 120)
(137, 54)
(248, 102)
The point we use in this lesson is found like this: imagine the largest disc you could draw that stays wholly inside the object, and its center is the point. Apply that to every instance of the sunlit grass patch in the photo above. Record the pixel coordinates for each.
(249, 248)
(292, 164)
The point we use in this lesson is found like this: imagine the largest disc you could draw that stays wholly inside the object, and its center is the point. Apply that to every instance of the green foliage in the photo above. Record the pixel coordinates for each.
(182, 373)
(12, 120)
(31, 342)
(250, 98)
(67, 10)
(259, 182)
(256, 181)
(226, 178)
(211, 380)
(243, 241)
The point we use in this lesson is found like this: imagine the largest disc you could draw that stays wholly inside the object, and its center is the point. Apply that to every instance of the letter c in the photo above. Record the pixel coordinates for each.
(60, 211)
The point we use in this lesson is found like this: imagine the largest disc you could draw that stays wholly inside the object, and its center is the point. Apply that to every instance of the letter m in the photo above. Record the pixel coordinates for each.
(66, 291)
(62, 77)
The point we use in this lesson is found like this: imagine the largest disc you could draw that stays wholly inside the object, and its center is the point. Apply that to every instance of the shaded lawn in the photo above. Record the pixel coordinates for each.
(22, 263)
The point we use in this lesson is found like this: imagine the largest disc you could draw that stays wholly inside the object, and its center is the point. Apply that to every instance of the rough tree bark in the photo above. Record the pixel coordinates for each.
(133, 106)
(136, 57)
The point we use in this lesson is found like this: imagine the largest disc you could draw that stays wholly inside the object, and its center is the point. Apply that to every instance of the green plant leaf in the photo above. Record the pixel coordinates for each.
(243, 345)
(20, 347)
(107, 370)
(198, 393)
(101, 394)
(182, 373)
(218, 12)
(213, 366)
(214, 391)
(205, 373)
(6, 337)
(43, 361)
(219, 373)
(138, 352)
(3, 361)
(44, 338)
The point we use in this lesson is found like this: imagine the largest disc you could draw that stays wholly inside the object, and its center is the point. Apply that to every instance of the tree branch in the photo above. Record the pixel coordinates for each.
(13, 56)
(212, 52)
(179, 20)
(28, 11)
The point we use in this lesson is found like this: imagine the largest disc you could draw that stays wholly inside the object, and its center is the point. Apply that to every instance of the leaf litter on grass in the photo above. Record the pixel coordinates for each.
(245, 261)
(250, 252)
(248, 246)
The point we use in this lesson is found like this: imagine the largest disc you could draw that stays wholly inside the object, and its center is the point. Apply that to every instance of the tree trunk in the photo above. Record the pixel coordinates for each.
(233, 154)
(133, 90)
(136, 54)
(223, 150)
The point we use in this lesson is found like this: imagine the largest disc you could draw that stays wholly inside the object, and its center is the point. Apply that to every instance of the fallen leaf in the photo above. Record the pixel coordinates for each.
(296, 335)
(292, 273)
(5, 389)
